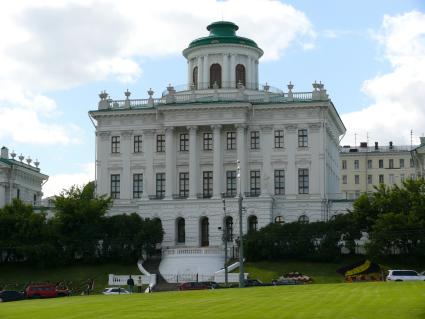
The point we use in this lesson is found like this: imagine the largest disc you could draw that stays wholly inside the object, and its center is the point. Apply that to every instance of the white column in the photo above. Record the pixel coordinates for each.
(267, 175)
(170, 163)
(257, 80)
(126, 180)
(206, 79)
(226, 79)
(232, 71)
(148, 150)
(200, 61)
(291, 174)
(103, 154)
(189, 73)
(241, 157)
(217, 162)
(248, 72)
(252, 73)
(193, 162)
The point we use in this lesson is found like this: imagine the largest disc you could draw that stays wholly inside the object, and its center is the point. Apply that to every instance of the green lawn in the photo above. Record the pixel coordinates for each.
(380, 300)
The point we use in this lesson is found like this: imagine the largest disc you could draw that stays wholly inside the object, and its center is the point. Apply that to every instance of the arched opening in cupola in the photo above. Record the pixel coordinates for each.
(215, 75)
(240, 75)
(195, 77)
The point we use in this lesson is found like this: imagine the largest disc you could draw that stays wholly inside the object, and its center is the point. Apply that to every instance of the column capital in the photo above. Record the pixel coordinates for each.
(169, 129)
(148, 132)
(192, 127)
(241, 126)
(291, 128)
(266, 128)
(216, 126)
(126, 134)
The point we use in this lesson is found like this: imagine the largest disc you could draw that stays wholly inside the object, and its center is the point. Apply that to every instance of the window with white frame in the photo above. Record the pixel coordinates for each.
(137, 144)
(115, 144)
(184, 185)
(115, 186)
(303, 181)
(356, 164)
(208, 141)
(137, 185)
(302, 138)
(255, 140)
(278, 139)
(279, 182)
(184, 142)
(254, 178)
(231, 140)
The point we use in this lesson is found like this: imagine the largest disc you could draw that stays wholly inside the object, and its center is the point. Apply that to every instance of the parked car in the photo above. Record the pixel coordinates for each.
(11, 295)
(194, 285)
(62, 291)
(115, 291)
(404, 275)
(41, 291)
(254, 283)
(281, 282)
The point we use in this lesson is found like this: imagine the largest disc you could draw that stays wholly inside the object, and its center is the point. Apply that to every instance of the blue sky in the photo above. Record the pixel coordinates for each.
(57, 55)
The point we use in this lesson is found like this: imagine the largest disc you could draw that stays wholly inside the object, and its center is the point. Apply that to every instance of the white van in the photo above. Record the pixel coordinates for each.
(404, 275)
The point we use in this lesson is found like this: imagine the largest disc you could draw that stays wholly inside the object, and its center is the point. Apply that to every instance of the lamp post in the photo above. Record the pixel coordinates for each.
(241, 270)
(225, 238)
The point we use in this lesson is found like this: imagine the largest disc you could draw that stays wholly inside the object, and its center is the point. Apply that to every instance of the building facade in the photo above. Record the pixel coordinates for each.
(186, 156)
(364, 167)
(19, 179)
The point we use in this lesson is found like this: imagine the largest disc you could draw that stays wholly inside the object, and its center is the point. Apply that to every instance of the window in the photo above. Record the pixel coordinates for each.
(184, 185)
(240, 75)
(279, 220)
(344, 179)
(381, 163)
(252, 223)
(356, 179)
(228, 230)
(184, 142)
(115, 186)
(356, 164)
(207, 178)
(279, 182)
(195, 77)
(181, 232)
(369, 164)
(231, 183)
(412, 163)
(231, 140)
(18, 193)
(369, 179)
(137, 146)
(381, 179)
(302, 138)
(391, 163)
(278, 139)
(401, 163)
(344, 164)
(115, 144)
(34, 199)
(160, 143)
(412, 176)
(402, 178)
(391, 179)
(357, 194)
(208, 141)
(137, 185)
(255, 140)
(215, 75)
(303, 219)
(254, 177)
(303, 181)
(160, 185)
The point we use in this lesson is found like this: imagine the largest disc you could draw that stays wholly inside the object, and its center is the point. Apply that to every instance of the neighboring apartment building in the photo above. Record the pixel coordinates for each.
(365, 166)
(20, 180)
(418, 155)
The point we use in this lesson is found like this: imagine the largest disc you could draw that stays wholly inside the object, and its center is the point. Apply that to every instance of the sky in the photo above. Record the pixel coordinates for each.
(57, 55)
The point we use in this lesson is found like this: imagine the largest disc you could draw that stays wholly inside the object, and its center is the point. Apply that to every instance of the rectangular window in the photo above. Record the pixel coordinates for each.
(302, 138)
(255, 140)
(160, 143)
(184, 185)
(208, 141)
(381, 179)
(279, 182)
(412, 163)
(381, 163)
(402, 178)
(344, 179)
(184, 142)
(401, 163)
(115, 144)
(231, 183)
(137, 147)
(207, 178)
(391, 163)
(115, 186)
(231, 140)
(137, 185)
(369, 179)
(356, 179)
(278, 139)
(412, 177)
(344, 164)
(254, 181)
(356, 164)
(160, 185)
(369, 164)
(303, 183)
(391, 179)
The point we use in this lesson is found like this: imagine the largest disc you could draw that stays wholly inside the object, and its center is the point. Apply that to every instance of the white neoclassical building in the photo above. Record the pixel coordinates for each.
(19, 179)
(175, 157)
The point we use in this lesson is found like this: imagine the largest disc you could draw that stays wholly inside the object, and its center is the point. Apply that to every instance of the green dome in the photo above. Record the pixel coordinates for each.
(222, 32)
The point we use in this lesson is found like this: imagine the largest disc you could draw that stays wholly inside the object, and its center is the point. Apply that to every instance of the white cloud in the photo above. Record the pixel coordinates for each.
(59, 182)
(398, 95)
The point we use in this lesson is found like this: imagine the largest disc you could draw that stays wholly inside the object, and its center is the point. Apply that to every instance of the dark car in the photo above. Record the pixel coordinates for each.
(11, 295)
(253, 283)
(281, 282)
(194, 285)
(41, 291)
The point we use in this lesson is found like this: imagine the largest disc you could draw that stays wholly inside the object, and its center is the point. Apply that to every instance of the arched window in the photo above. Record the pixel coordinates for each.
(228, 228)
(215, 75)
(181, 232)
(195, 77)
(205, 232)
(252, 223)
(303, 219)
(279, 220)
(240, 75)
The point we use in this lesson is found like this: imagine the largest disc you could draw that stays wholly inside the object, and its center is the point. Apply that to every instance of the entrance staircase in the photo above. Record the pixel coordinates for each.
(152, 266)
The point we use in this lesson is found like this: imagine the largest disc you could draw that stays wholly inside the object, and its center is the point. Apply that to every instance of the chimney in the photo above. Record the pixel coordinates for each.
(391, 145)
(363, 144)
(4, 152)
(422, 139)
(376, 146)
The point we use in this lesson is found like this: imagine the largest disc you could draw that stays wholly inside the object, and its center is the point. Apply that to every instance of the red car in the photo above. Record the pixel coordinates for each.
(41, 291)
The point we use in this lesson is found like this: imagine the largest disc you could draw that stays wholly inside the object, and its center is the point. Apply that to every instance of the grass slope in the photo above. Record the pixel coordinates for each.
(379, 300)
